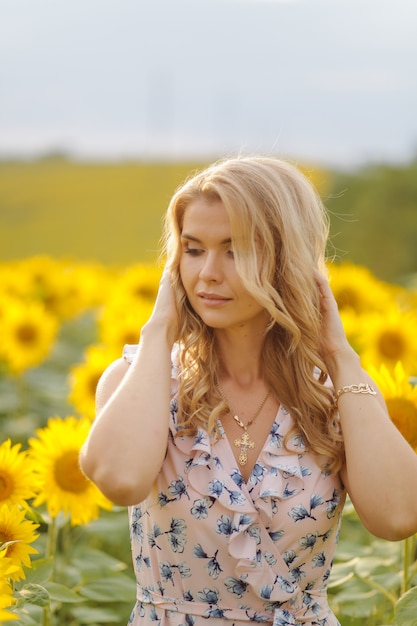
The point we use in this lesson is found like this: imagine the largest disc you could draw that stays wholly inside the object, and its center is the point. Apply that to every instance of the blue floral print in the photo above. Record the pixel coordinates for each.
(207, 544)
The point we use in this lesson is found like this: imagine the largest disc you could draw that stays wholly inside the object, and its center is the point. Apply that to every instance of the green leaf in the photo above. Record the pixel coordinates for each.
(92, 562)
(390, 581)
(99, 558)
(356, 599)
(371, 565)
(89, 615)
(26, 620)
(41, 571)
(33, 594)
(35, 516)
(342, 572)
(112, 589)
(406, 609)
(62, 593)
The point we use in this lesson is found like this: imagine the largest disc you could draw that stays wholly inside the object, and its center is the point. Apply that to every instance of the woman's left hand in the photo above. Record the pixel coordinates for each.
(333, 338)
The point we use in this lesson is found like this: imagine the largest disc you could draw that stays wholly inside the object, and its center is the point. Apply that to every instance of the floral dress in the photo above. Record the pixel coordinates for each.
(207, 544)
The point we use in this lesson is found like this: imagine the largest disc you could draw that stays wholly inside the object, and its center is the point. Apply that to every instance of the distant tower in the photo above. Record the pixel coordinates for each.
(159, 113)
(227, 118)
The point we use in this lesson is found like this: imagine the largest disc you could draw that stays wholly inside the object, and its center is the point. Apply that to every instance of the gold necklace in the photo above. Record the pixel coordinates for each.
(244, 442)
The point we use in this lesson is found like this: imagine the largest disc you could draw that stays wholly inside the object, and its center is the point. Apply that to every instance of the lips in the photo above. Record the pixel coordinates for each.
(212, 296)
(212, 299)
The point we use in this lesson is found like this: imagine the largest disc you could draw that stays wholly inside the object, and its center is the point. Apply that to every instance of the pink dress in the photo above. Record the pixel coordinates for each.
(205, 544)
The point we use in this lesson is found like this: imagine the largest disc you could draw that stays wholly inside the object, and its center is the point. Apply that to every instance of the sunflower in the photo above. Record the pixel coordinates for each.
(389, 337)
(7, 302)
(85, 376)
(6, 616)
(7, 570)
(64, 488)
(356, 288)
(46, 281)
(140, 281)
(89, 286)
(17, 478)
(121, 322)
(401, 399)
(20, 532)
(27, 334)
(14, 282)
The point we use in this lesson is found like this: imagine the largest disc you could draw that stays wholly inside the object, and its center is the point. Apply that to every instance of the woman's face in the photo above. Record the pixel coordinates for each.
(208, 273)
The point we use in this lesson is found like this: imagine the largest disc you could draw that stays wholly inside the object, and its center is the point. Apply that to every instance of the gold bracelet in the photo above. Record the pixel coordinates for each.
(361, 388)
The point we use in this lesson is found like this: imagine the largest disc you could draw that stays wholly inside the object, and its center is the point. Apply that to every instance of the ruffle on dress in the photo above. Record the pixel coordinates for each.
(246, 521)
(249, 518)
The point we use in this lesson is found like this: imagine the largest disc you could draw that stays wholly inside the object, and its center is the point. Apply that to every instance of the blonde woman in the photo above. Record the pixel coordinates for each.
(237, 426)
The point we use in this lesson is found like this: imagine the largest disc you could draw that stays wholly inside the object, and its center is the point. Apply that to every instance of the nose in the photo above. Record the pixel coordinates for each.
(211, 270)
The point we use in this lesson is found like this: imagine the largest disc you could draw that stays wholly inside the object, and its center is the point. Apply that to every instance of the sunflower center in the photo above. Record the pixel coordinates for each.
(68, 475)
(391, 345)
(92, 384)
(6, 485)
(4, 538)
(130, 337)
(144, 291)
(26, 334)
(403, 413)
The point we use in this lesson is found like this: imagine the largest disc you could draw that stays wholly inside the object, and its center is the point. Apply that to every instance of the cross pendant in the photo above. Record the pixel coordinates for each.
(245, 444)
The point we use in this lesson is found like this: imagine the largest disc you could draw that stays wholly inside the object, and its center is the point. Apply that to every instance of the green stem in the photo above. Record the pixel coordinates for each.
(50, 552)
(372, 583)
(409, 545)
(51, 541)
(23, 395)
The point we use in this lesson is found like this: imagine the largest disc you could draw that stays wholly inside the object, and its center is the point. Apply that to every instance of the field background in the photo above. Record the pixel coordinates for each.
(105, 212)
(112, 212)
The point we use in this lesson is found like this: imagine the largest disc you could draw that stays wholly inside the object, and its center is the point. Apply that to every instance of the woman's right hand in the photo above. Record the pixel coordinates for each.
(165, 313)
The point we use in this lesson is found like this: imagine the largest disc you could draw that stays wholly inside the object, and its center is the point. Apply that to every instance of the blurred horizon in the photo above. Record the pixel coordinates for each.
(329, 82)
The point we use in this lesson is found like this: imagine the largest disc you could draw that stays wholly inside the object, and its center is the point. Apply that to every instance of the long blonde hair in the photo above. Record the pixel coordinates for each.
(279, 230)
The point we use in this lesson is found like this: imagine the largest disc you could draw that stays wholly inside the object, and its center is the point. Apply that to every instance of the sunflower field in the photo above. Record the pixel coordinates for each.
(64, 548)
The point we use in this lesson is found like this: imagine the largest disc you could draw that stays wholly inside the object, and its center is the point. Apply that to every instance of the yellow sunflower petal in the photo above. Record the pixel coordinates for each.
(389, 337)
(356, 288)
(85, 376)
(27, 334)
(139, 281)
(64, 488)
(122, 321)
(401, 399)
(6, 616)
(20, 532)
(17, 476)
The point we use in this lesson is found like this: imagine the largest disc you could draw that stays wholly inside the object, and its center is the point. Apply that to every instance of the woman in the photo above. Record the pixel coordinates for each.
(237, 426)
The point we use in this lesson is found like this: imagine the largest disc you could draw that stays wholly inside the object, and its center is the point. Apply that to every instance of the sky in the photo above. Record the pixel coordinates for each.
(329, 81)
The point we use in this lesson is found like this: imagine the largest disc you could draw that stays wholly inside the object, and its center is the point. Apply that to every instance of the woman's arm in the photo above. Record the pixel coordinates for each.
(380, 473)
(127, 442)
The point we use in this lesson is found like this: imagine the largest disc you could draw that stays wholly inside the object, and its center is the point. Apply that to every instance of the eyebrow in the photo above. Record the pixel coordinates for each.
(191, 238)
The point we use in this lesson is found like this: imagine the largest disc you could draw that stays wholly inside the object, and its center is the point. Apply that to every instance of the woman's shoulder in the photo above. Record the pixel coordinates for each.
(110, 380)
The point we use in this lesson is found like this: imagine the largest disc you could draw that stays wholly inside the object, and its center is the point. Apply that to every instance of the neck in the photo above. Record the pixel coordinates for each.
(240, 363)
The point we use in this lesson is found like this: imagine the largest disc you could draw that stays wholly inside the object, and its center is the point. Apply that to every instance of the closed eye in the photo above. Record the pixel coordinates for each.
(193, 251)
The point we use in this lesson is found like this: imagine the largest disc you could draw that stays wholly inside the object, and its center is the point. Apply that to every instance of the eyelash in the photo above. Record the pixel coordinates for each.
(193, 251)
(197, 252)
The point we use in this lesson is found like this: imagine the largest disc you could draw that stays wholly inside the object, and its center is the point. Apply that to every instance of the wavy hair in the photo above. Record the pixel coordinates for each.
(279, 230)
